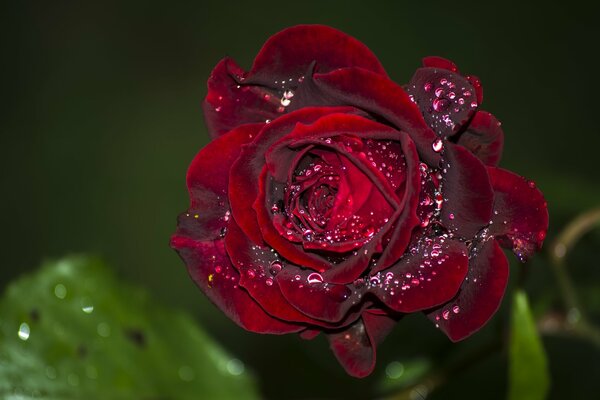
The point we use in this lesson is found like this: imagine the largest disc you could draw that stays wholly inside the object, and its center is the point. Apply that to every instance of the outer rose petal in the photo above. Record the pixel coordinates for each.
(228, 104)
(479, 296)
(468, 192)
(203, 260)
(425, 278)
(207, 183)
(484, 138)
(258, 268)
(439, 62)
(289, 53)
(380, 97)
(520, 219)
(356, 347)
(236, 97)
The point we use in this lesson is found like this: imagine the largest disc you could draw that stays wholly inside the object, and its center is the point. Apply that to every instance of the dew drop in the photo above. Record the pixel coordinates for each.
(439, 92)
(24, 331)
(60, 291)
(440, 104)
(446, 314)
(87, 306)
(235, 367)
(275, 267)
(437, 145)
(394, 370)
(250, 273)
(103, 329)
(451, 216)
(314, 278)
(428, 86)
(456, 309)
(269, 281)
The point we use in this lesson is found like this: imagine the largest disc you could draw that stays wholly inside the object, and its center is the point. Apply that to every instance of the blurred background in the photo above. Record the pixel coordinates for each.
(102, 116)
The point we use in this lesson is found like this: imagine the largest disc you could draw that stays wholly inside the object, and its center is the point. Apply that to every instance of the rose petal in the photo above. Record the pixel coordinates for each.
(429, 275)
(245, 172)
(258, 267)
(446, 99)
(356, 347)
(289, 53)
(312, 295)
(479, 297)
(467, 191)
(379, 96)
(439, 62)
(228, 104)
(520, 219)
(476, 83)
(212, 271)
(207, 181)
(484, 138)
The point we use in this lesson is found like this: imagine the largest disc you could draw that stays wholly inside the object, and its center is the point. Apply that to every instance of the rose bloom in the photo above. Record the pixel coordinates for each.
(332, 200)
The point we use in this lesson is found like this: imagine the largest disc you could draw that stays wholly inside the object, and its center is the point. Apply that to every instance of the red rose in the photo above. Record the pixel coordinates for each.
(333, 200)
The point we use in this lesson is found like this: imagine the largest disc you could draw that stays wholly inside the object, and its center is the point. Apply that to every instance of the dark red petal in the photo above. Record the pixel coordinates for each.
(476, 83)
(228, 104)
(479, 297)
(210, 268)
(439, 62)
(446, 99)
(309, 334)
(429, 275)
(289, 53)
(258, 267)
(356, 347)
(312, 295)
(380, 97)
(520, 219)
(484, 138)
(467, 191)
(207, 181)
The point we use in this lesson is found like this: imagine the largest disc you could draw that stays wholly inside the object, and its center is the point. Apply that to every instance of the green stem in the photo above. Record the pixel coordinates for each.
(577, 320)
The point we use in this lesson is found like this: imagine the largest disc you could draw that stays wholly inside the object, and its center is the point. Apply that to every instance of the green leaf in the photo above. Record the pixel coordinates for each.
(528, 368)
(401, 374)
(72, 331)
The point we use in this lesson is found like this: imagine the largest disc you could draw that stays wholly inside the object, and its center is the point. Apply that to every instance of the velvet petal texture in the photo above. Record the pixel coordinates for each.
(484, 138)
(199, 242)
(480, 294)
(356, 347)
(467, 191)
(520, 219)
(236, 97)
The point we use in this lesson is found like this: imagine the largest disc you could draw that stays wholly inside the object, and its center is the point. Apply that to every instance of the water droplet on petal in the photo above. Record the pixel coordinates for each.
(456, 309)
(446, 314)
(275, 268)
(314, 278)
(428, 86)
(437, 145)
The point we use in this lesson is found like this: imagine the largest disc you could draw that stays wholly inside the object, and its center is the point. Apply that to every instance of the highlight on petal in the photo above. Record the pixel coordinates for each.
(480, 294)
(356, 346)
(520, 218)
(467, 191)
(211, 270)
(439, 62)
(484, 138)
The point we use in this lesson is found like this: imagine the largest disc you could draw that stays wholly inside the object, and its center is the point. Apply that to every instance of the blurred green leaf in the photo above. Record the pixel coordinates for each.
(401, 374)
(528, 369)
(72, 331)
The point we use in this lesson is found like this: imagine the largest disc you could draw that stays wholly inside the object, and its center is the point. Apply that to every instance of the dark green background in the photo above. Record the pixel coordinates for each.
(101, 118)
